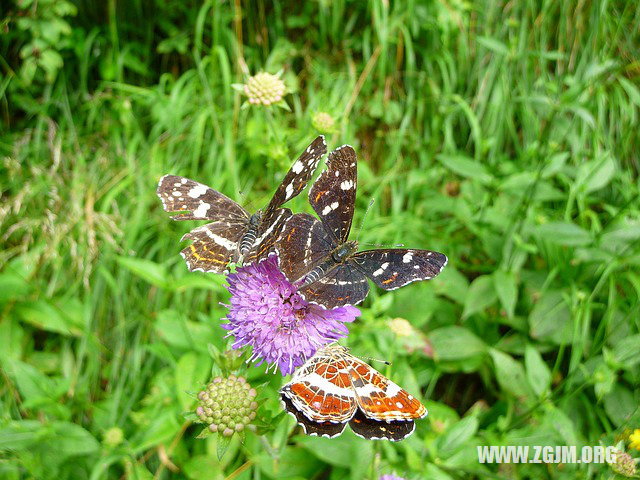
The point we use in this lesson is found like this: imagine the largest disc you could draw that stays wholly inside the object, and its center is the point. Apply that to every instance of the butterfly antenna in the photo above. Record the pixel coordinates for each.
(365, 216)
(371, 359)
(395, 245)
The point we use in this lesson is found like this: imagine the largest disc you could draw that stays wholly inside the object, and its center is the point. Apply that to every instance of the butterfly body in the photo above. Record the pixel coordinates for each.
(326, 267)
(234, 235)
(334, 388)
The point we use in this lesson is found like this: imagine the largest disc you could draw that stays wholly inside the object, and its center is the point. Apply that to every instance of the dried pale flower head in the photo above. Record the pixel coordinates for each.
(264, 89)
(401, 327)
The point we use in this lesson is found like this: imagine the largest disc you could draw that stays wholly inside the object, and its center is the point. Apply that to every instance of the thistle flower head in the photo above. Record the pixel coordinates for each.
(264, 89)
(323, 122)
(227, 405)
(625, 464)
(267, 313)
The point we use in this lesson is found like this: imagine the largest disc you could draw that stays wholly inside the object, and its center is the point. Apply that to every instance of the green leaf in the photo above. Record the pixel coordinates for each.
(190, 373)
(465, 167)
(481, 294)
(627, 351)
(222, 445)
(152, 272)
(173, 328)
(41, 314)
(506, 289)
(595, 174)
(456, 436)
(564, 233)
(538, 373)
(73, 440)
(620, 405)
(510, 374)
(493, 45)
(455, 343)
(549, 319)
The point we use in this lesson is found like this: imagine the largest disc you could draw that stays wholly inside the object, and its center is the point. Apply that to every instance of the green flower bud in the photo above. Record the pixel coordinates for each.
(323, 122)
(227, 405)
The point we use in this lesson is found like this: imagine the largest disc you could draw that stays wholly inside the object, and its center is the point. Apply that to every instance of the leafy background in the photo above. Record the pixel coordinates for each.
(504, 134)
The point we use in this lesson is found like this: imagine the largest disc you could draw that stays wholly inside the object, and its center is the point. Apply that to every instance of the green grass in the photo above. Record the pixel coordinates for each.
(504, 134)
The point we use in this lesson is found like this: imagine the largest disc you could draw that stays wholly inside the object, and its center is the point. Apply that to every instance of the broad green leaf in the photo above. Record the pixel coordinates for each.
(173, 328)
(564, 233)
(161, 429)
(455, 343)
(627, 351)
(73, 440)
(510, 374)
(190, 373)
(620, 404)
(456, 436)
(20, 434)
(465, 167)
(152, 272)
(549, 319)
(506, 289)
(595, 174)
(538, 373)
(45, 316)
(481, 294)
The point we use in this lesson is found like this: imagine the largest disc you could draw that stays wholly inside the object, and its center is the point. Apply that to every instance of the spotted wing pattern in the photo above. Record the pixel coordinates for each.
(393, 268)
(342, 285)
(213, 246)
(333, 194)
(297, 177)
(333, 388)
(216, 243)
(303, 244)
(190, 200)
(234, 235)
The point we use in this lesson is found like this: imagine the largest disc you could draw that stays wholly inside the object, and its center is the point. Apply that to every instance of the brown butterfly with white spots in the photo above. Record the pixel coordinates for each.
(235, 235)
(327, 268)
(334, 388)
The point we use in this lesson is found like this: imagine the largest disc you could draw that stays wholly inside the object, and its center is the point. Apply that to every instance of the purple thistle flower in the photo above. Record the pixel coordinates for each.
(267, 313)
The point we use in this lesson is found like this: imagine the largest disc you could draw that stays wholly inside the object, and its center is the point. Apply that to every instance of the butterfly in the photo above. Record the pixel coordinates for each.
(328, 269)
(334, 388)
(234, 235)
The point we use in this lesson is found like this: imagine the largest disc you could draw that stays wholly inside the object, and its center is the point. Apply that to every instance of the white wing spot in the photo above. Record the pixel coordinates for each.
(346, 185)
(406, 258)
(297, 167)
(330, 208)
(398, 404)
(176, 193)
(183, 181)
(337, 173)
(410, 397)
(202, 210)
(381, 270)
(198, 191)
(416, 266)
(177, 184)
(289, 191)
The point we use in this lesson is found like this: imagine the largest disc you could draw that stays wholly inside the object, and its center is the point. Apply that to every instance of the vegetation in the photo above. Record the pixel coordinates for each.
(503, 134)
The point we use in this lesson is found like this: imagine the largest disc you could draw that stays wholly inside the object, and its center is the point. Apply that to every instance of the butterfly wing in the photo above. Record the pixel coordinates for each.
(296, 178)
(321, 389)
(379, 398)
(371, 429)
(190, 200)
(342, 285)
(321, 429)
(267, 235)
(302, 244)
(333, 194)
(213, 246)
(396, 267)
